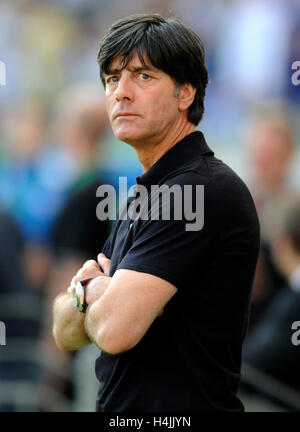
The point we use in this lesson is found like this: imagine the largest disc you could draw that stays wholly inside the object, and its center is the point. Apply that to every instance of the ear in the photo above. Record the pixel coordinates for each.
(186, 96)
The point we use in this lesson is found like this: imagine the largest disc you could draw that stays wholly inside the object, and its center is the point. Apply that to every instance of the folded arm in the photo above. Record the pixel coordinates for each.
(121, 317)
(68, 323)
(121, 309)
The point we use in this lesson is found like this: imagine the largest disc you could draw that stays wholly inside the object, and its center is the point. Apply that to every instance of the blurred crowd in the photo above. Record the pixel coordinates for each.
(56, 148)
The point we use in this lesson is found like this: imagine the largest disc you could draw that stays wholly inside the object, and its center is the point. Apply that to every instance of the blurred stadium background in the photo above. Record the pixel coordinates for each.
(56, 147)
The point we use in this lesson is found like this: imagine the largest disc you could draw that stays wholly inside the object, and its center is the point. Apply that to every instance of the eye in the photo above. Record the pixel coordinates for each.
(145, 77)
(112, 78)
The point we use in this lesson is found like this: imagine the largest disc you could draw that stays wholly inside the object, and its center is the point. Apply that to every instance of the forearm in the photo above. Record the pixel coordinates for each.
(95, 314)
(116, 325)
(68, 324)
(93, 324)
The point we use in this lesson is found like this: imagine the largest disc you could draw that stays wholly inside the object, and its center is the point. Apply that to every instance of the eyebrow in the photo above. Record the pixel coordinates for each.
(130, 69)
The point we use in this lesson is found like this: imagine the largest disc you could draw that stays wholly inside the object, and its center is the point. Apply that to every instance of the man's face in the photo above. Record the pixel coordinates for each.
(141, 102)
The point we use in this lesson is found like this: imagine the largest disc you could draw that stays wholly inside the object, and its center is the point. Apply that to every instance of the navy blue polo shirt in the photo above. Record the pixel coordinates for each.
(190, 357)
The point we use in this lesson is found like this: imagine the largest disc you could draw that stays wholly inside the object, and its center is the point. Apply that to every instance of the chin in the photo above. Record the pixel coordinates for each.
(129, 137)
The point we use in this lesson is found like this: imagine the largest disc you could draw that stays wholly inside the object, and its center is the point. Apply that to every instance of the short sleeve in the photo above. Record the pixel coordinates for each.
(168, 248)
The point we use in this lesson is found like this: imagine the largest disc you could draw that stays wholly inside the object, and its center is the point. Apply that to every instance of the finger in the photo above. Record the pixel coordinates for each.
(73, 282)
(104, 263)
(90, 264)
(77, 277)
(93, 266)
(90, 269)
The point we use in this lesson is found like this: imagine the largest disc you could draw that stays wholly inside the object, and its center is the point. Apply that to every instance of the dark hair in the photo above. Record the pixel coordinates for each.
(169, 46)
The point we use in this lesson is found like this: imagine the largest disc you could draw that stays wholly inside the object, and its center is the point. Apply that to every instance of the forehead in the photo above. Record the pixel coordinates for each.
(135, 63)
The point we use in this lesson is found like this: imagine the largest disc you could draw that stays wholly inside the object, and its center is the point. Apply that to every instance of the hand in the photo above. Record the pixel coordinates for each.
(96, 287)
(104, 263)
(90, 269)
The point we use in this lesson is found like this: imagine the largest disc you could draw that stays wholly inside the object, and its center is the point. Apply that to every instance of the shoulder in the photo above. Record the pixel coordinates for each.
(226, 197)
(220, 181)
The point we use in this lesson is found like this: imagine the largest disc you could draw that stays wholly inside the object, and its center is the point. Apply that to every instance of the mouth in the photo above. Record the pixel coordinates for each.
(125, 115)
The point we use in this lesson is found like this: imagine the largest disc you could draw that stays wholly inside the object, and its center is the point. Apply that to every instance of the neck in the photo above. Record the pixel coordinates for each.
(151, 152)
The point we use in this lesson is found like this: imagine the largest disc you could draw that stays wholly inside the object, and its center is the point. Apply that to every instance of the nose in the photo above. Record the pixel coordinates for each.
(124, 89)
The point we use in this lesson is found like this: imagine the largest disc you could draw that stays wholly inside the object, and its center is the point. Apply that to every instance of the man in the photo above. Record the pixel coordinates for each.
(168, 306)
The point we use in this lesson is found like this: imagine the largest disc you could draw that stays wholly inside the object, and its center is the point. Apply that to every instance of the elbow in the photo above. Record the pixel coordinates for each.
(61, 343)
(58, 341)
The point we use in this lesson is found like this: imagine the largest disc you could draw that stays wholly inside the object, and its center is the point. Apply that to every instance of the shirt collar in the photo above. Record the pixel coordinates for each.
(190, 148)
